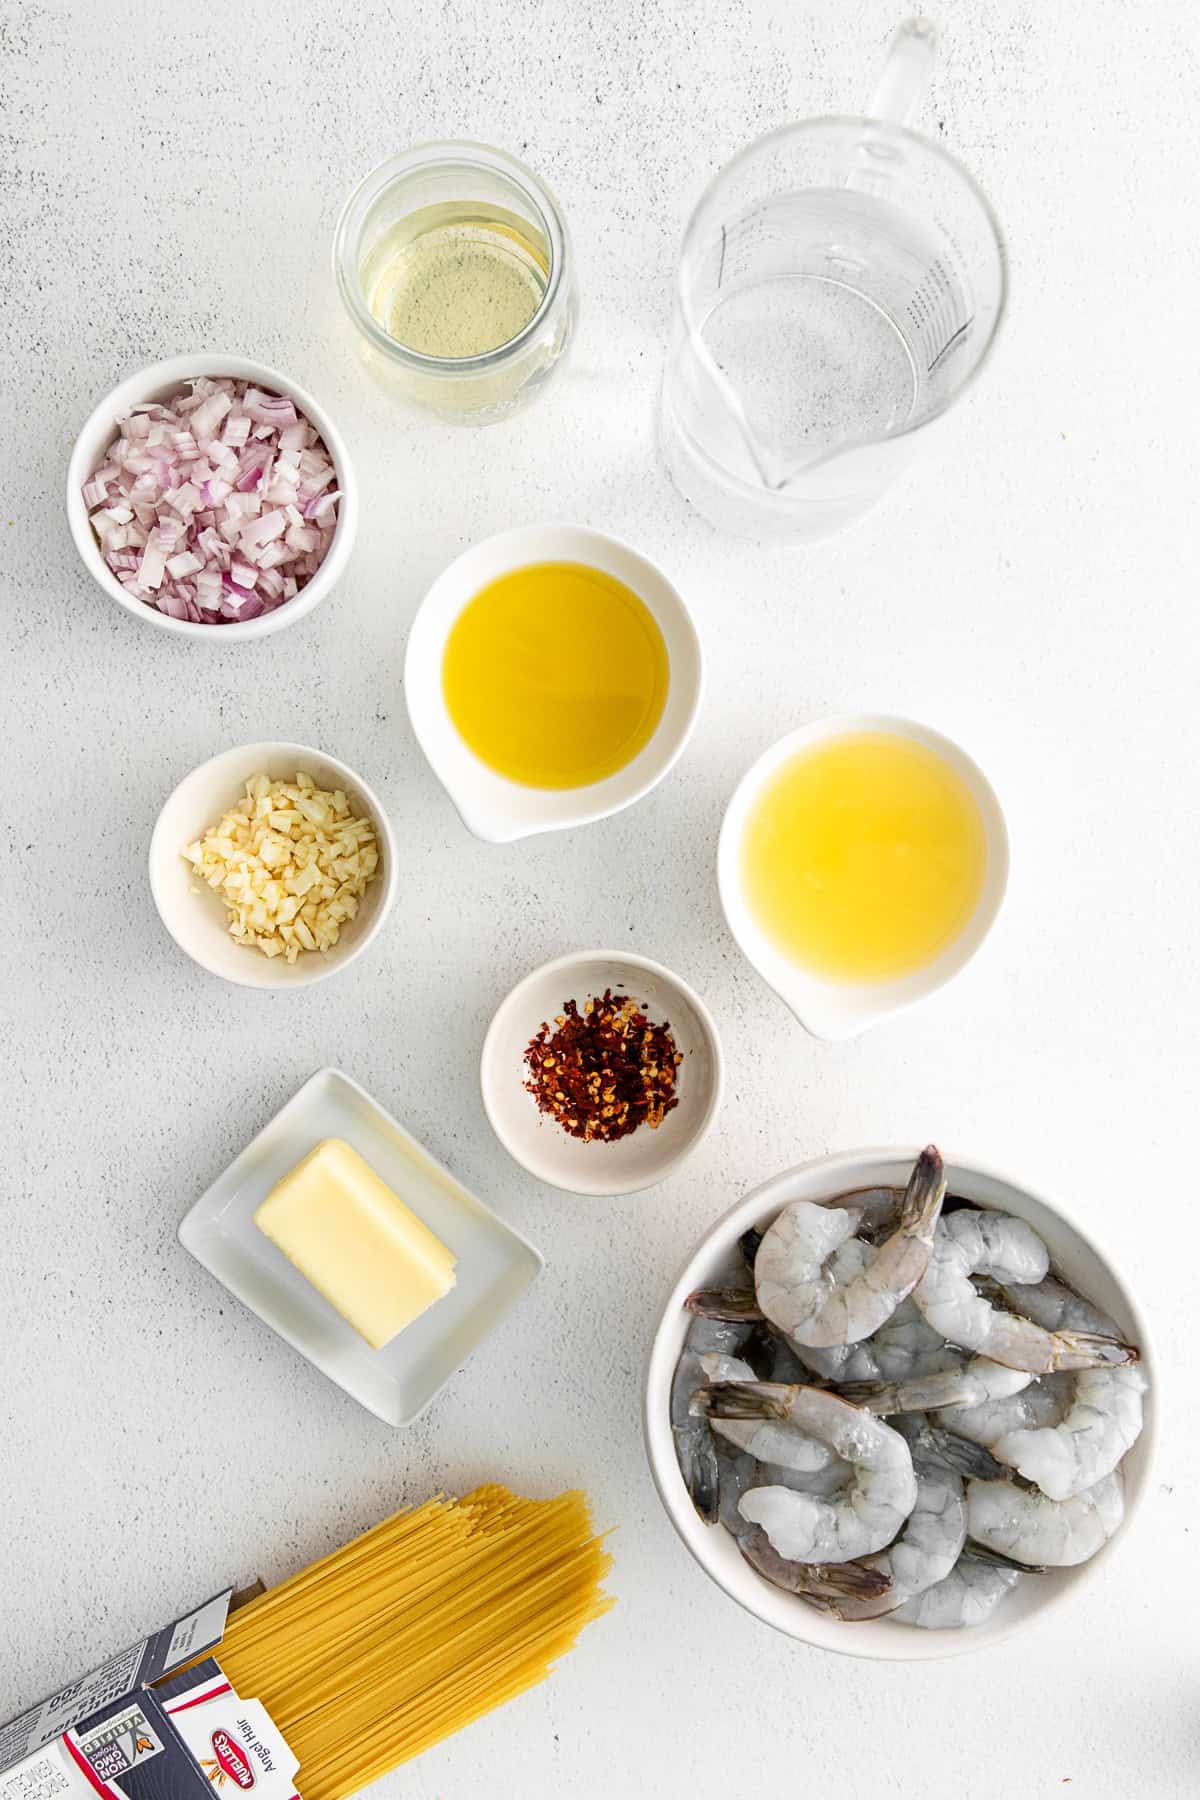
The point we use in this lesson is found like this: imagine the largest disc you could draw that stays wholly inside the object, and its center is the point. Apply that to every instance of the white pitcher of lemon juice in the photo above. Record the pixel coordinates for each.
(839, 285)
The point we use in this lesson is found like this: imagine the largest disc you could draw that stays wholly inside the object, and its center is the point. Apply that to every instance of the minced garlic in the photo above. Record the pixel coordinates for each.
(291, 862)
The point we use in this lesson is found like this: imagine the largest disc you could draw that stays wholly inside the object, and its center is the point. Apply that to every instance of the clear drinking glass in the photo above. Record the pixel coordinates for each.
(448, 194)
(840, 283)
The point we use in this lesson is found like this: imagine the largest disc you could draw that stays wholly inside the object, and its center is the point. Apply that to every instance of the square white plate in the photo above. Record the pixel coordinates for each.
(495, 1264)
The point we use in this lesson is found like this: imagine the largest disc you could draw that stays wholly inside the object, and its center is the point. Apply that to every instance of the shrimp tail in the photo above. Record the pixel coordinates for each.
(884, 1393)
(748, 1245)
(822, 1583)
(934, 1444)
(982, 1553)
(1089, 1350)
(723, 1303)
(1071, 1349)
(701, 1472)
(744, 1400)
(924, 1194)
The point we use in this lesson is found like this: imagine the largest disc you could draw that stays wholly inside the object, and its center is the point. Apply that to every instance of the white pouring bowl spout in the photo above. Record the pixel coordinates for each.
(842, 1009)
(498, 810)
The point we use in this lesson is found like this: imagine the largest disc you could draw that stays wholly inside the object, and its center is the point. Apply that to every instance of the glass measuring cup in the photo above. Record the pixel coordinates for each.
(839, 285)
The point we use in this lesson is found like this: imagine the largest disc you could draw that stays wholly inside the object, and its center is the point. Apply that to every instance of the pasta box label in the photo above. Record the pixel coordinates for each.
(230, 1760)
(234, 1741)
(119, 1742)
(120, 1677)
(139, 1729)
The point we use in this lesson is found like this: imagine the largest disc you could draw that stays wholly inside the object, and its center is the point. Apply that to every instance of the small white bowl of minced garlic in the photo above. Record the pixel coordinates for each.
(273, 865)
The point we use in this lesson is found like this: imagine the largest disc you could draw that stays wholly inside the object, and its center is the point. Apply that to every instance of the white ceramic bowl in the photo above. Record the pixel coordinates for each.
(156, 383)
(196, 917)
(536, 1141)
(1074, 1252)
(835, 1009)
(494, 808)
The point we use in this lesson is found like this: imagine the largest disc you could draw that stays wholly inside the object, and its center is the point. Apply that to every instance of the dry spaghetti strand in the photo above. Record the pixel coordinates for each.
(433, 1618)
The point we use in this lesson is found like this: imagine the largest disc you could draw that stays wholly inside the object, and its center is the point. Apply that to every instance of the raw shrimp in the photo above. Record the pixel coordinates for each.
(1023, 1523)
(1007, 1249)
(721, 1338)
(828, 1585)
(769, 1440)
(823, 1483)
(697, 1457)
(904, 1347)
(879, 1209)
(736, 1472)
(748, 1246)
(772, 1357)
(973, 1383)
(932, 1446)
(1102, 1417)
(929, 1545)
(729, 1304)
(782, 1361)
(1056, 1306)
(694, 1448)
(964, 1597)
(1044, 1402)
(799, 1291)
(1102, 1421)
(866, 1514)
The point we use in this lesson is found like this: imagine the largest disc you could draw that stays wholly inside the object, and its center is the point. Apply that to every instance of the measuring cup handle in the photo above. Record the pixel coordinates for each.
(906, 72)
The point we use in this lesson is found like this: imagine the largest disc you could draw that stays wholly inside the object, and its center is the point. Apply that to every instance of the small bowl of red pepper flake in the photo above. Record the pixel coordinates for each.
(601, 1072)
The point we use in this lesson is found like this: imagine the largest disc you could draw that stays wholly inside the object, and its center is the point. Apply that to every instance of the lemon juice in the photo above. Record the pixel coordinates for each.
(863, 857)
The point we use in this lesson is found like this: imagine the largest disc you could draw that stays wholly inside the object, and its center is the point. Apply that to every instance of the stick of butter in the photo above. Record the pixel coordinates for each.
(356, 1241)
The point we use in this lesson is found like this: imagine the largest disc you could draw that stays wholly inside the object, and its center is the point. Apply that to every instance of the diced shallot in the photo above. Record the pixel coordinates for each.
(215, 504)
(186, 563)
(152, 566)
(263, 530)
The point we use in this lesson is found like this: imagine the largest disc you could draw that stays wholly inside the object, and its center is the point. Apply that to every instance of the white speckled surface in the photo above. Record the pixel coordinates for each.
(1031, 590)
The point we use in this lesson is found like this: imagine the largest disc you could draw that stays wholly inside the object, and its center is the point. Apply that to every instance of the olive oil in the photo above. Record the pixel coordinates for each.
(457, 279)
(864, 857)
(555, 675)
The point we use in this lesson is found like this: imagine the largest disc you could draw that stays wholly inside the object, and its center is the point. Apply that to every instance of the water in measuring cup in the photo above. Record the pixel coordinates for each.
(826, 316)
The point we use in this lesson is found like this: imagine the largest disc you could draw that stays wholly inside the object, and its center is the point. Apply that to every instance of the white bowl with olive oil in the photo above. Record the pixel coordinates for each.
(553, 676)
(862, 862)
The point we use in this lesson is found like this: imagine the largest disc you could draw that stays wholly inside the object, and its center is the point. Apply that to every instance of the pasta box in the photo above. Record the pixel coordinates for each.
(158, 1721)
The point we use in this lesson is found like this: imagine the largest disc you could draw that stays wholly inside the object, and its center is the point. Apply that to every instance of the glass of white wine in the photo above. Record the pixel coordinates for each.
(452, 259)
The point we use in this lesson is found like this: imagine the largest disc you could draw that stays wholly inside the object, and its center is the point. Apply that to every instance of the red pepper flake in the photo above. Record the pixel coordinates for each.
(603, 1071)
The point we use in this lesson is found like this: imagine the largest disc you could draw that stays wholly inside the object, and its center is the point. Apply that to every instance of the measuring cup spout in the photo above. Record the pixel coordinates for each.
(906, 72)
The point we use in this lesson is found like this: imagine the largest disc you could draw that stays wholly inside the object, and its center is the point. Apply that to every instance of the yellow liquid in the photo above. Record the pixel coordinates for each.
(556, 675)
(457, 279)
(863, 858)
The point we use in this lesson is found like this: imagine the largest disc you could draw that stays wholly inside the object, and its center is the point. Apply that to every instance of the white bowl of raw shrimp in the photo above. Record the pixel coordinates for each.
(1075, 1256)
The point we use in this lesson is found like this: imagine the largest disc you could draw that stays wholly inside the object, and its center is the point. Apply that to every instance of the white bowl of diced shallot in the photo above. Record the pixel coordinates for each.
(212, 496)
